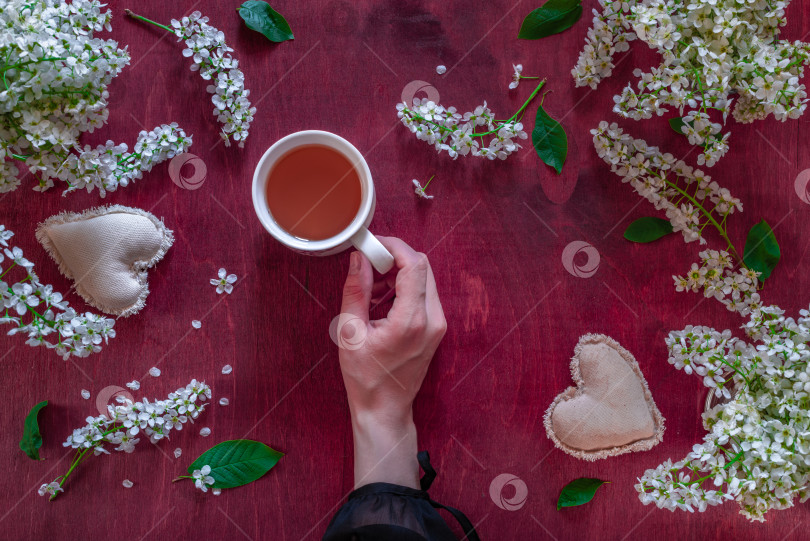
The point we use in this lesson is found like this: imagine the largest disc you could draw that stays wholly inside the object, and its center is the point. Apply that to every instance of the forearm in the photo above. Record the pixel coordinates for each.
(385, 449)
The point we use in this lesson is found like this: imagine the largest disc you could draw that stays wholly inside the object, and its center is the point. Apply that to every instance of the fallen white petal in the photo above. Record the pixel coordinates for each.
(127, 483)
(227, 369)
(441, 69)
(134, 385)
(224, 402)
(85, 394)
(154, 371)
(205, 431)
(178, 452)
(196, 324)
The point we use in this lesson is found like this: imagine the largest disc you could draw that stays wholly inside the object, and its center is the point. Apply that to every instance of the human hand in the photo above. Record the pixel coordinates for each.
(384, 361)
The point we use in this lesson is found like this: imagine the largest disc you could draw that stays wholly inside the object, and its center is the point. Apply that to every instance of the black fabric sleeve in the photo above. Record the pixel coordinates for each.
(391, 512)
(383, 511)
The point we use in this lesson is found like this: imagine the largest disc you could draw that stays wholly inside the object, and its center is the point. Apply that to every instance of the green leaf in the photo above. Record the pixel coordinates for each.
(677, 124)
(762, 251)
(259, 16)
(237, 462)
(578, 492)
(549, 140)
(551, 18)
(647, 229)
(31, 439)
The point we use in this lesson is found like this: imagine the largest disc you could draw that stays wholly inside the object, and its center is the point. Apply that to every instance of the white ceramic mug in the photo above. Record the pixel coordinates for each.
(356, 234)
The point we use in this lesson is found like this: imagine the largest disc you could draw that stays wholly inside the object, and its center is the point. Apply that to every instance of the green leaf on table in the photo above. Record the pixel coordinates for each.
(259, 16)
(647, 229)
(762, 251)
(31, 439)
(549, 140)
(236, 462)
(578, 492)
(551, 18)
(677, 124)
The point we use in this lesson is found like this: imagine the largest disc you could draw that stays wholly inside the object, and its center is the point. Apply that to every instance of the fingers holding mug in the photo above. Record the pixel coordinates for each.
(381, 259)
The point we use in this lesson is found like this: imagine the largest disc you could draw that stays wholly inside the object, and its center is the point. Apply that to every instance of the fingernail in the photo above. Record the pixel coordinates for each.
(354, 263)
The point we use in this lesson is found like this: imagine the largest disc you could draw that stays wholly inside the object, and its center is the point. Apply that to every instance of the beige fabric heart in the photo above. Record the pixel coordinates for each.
(106, 251)
(610, 411)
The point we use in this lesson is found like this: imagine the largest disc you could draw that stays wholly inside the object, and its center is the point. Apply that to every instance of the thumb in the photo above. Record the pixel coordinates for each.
(357, 289)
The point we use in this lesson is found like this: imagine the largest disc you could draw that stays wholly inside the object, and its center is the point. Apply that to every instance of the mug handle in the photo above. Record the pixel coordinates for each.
(380, 258)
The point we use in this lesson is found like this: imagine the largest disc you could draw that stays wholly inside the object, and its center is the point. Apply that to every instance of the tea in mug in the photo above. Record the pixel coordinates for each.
(313, 192)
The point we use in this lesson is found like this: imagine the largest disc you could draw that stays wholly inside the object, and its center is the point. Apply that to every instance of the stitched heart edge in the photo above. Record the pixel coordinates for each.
(138, 268)
(572, 392)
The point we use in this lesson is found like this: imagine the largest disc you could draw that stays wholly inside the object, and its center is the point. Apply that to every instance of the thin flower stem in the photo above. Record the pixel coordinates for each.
(139, 17)
(8, 269)
(428, 183)
(81, 455)
(509, 120)
(72, 467)
(705, 212)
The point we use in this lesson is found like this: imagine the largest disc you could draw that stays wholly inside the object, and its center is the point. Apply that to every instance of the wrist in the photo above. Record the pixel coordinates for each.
(385, 447)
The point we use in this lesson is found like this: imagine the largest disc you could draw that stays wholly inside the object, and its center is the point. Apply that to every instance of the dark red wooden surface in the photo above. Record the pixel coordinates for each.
(494, 234)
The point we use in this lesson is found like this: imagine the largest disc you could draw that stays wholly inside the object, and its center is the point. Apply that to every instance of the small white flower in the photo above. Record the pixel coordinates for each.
(202, 479)
(50, 488)
(154, 372)
(516, 76)
(225, 281)
(420, 191)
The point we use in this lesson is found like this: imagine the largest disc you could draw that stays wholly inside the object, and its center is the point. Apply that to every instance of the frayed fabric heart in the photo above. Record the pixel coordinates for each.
(611, 411)
(107, 251)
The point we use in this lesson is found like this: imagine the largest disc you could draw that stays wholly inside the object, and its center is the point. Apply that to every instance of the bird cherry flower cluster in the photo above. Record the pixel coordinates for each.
(757, 450)
(125, 421)
(691, 199)
(718, 278)
(449, 131)
(55, 73)
(210, 55)
(53, 324)
(711, 50)
(110, 166)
